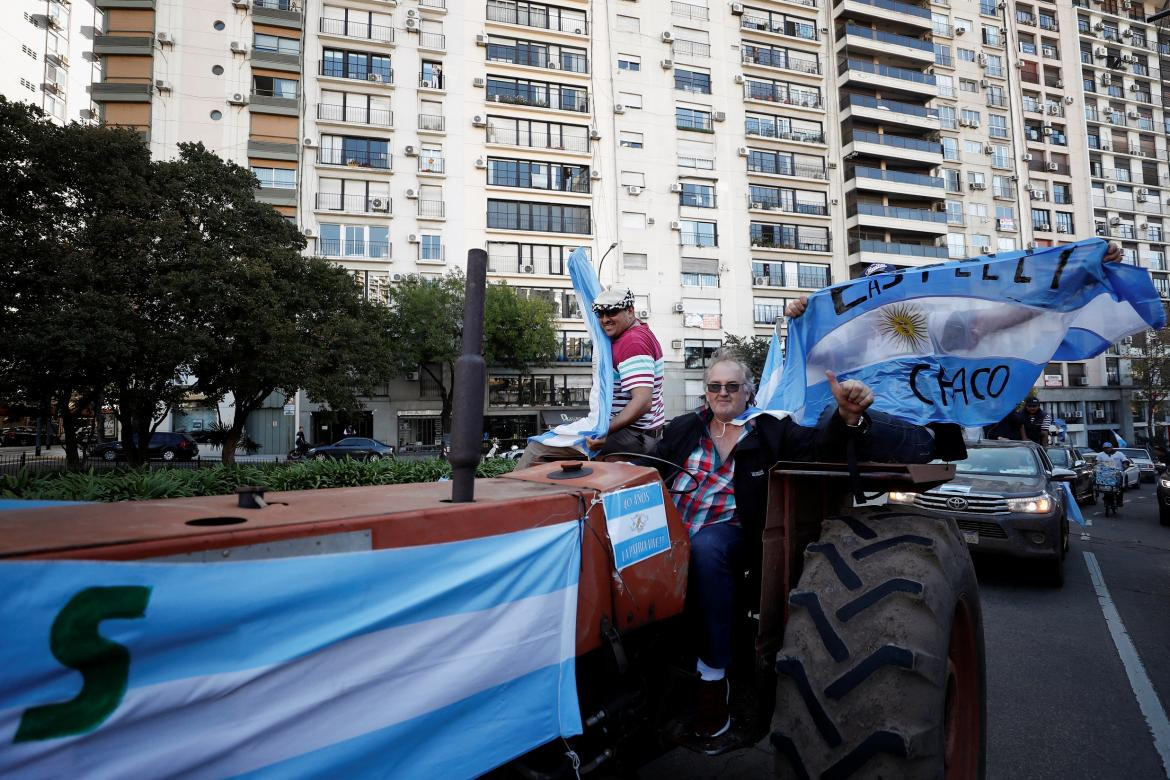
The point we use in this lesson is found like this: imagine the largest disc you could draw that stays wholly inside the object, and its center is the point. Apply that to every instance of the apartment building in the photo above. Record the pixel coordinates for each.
(720, 158)
(48, 59)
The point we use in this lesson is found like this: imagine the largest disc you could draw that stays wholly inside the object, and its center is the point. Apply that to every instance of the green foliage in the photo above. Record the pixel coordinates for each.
(517, 331)
(752, 350)
(144, 484)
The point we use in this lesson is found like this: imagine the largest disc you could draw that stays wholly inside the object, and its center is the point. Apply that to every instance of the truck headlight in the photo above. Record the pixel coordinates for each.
(895, 497)
(1164, 482)
(1031, 505)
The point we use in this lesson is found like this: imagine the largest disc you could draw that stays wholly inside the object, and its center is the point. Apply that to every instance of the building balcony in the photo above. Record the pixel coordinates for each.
(354, 249)
(384, 77)
(872, 215)
(889, 112)
(274, 150)
(886, 12)
(915, 185)
(788, 206)
(535, 139)
(356, 159)
(275, 60)
(432, 209)
(121, 92)
(866, 251)
(888, 145)
(359, 31)
(885, 44)
(575, 101)
(277, 196)
(432, 41)
(123, 44)
(781, 94)
(781, 60)
(432, 123)
(260, 103)
(529, 16)
(431, 165)
(888, 78)
(353, 204)
(357, 115)
(281, 13)
(780, 133)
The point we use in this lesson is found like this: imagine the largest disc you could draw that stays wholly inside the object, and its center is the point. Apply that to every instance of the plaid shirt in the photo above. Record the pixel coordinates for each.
(713, 501)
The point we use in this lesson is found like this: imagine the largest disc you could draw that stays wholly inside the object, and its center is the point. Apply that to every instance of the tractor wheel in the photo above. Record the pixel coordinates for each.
(882, 669)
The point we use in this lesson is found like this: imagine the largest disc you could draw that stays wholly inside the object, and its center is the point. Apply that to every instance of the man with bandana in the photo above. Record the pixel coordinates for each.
(637, 412)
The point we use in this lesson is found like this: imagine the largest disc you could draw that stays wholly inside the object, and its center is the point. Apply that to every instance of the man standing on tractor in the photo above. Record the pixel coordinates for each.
(637, 412)
(720, 482)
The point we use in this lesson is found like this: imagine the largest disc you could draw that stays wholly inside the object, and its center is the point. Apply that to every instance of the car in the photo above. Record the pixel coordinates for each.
(167, 445)
(1163, 491)
(355, 447)
(26, 436)
(1148, 469)
(1066, 457)
(1007, 499)
(1131, 474)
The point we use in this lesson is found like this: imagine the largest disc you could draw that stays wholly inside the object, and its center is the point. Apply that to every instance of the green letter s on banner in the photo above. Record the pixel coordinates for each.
(104, 665)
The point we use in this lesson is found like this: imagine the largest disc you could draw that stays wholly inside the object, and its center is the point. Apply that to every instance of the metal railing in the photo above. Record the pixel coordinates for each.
(334, 247)
(778, 93)
(697, 238)
(432, 40)
(761, 239)
(864, 101)
(899, 141)
(778, 58)
(382, 117)
(890, 38)
(754, 127)
(890, 71)
(355, 159)
(897, 212)
(431, 164)
(432, 81)
(699, 122)
(362, 204)
(787, 205)
(895, 248)
(337, 70)
(784, 167)
(533, 15)
(371, 32)
(900, 177)
(432, 208)
(689, 11)
(537, 140)
(552, 97)
(685, 48)
(435, 122)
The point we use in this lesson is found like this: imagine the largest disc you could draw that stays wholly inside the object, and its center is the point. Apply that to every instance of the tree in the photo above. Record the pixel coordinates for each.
(752, 351)
(426, 321)
(1149, 360)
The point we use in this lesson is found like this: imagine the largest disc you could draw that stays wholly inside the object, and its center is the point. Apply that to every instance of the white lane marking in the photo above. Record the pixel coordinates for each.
(1139, 681)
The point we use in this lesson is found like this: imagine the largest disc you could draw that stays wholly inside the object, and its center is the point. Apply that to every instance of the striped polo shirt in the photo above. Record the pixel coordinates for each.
(637, 362)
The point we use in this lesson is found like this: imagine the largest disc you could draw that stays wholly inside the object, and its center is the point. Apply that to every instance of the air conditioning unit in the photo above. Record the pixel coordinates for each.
(1143, 191)
(376, 78)
(1114, 221)
(411, 376)
(410, 151)
(1106, 146)
(1099, 26)
(619, 109)
(1141, 198)
(166, 39)
(984, 83)
(1051, 166)
(379, 204)
(413, 238)
(737, 9)
(666, 64)
(643, 314)
(424, 84)
(1132, 113)
(238, 99)
(480, 163)
(308, 233)
(477, 82)
(554, 65)
(676, 187)
(719, 116)
(1062, 229)
(1026, 157)
(1077, 414)
(966, 123)
(668, 36)
(411, 193)
(399, 278)
(162, 86)
(1106, 78)
(87, 113)
(595, 175)
(240, 3)
(479, 121)
(309, 143)
(1111, 188)
(1046, 130)
(237, 47)
(411, 13)
(1082, 381)
(675, 225)
(678, 308)
(1059, 84)
(1143, 227)
(760, 280)
(1036, 195)
(739, 79)
(1098, 414)
(1128, 58)
(633, 190)
(527, 269)
(412, 24)
(977, 185)
(481, 39)
(1136, 151)
(981, 58)
(742, 151)
(1100, 52)
(756, 205)
(1054, 109)
(985, 250)
(1068, 99)
(960, 30)
(988, 149)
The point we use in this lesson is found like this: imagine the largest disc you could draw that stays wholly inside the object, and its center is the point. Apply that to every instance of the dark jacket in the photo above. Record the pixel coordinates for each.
(886, 439)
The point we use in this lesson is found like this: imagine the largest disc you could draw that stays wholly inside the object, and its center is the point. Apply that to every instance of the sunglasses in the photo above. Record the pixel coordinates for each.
(716, 387)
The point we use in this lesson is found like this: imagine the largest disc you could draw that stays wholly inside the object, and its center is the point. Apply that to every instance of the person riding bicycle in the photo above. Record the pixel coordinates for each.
(1110, 458)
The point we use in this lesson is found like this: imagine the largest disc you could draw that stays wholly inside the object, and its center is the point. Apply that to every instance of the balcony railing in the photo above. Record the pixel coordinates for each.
(899, 7)
(770, 58)
(699, 122)
(333, 70)
(333, 247)
(684, 48)
(370, 32)
(434, 122)
(778, 93)
(532, 15)
(430, 164)
(361, 204)
(767, 314)
(575, 100)
(864, 101)
(896, 248)
(787, 205)
(899, 141)
(903, 74)
(689, 11)
(697, 238)
(381, 117)
(355, 159)
(432, 254)
(785, 167)
(537, 140)
(754, 127)
(764, 241)
(891, 38)
(433, 3)
(896, 212)
(432, 40)
(434, 209)
(899, 177)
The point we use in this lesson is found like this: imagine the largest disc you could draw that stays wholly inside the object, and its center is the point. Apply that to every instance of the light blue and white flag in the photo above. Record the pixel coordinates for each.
(441, 660)
(595, 424)
(962, 342)
(773, 370)
(1117, 437)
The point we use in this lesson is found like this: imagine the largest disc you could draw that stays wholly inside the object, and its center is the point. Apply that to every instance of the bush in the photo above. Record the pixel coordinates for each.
(143, 484)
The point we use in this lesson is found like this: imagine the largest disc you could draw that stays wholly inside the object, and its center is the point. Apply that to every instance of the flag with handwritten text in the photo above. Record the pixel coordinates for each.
(963, 341)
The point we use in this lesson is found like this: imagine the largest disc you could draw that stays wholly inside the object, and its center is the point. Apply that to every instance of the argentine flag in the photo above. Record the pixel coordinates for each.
(437, 661)
(595, 424)
(961, 342)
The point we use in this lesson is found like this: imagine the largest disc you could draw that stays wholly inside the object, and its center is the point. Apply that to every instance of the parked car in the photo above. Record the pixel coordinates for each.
(1164, 499)
(26, 436)
(356, 447)
(1066, 457)
(1148, 469)
(163, 444)
(1007, 499)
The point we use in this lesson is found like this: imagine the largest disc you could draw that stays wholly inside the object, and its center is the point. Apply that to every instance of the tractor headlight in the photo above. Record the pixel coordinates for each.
(1031, 505)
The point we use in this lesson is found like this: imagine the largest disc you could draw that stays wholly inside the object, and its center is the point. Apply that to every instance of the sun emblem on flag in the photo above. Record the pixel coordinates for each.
(638, 522)
(904, 324)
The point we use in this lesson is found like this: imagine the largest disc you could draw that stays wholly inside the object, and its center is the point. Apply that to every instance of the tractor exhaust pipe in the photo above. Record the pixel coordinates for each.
(470, 380)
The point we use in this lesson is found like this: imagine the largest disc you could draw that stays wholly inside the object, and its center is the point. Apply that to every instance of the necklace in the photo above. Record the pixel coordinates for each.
(723, 432)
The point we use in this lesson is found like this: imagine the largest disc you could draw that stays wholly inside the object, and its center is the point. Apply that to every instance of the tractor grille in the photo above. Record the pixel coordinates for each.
(976, 503)
(984, 528)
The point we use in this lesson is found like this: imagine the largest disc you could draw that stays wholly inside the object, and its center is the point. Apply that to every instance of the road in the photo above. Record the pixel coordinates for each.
(1062, 702)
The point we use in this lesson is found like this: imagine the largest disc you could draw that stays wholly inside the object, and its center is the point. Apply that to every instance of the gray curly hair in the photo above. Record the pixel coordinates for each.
(727, 356)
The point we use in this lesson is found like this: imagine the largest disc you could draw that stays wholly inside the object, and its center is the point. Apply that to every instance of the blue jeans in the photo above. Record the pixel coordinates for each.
(716, 566)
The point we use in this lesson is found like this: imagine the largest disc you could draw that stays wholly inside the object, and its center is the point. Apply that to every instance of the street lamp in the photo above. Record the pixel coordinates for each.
(602, 262)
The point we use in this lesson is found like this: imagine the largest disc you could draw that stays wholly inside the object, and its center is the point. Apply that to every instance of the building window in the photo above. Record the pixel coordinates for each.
(699, 280)
(629, 62)
(697, 353)
(630, 140)
(276, 178)
(269, 86)
(538, 175)
(693, 119)
(356, 65)
(522, 215)
(277, 44)
(430, 247)
(696, 233)
(692, 81)
(699, 195)
(544, 259)
(366, 241)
